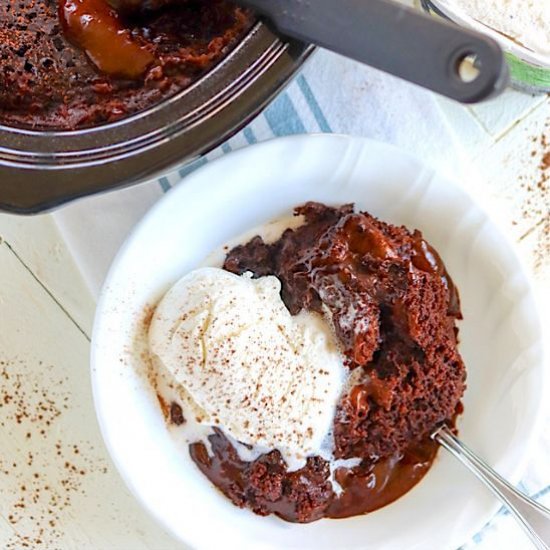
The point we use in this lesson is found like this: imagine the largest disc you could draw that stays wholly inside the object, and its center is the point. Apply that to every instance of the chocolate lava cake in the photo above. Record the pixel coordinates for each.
(394, 309)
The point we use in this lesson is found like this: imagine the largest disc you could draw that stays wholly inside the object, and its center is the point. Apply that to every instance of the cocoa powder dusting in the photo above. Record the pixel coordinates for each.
(536, 205)
(40, 485)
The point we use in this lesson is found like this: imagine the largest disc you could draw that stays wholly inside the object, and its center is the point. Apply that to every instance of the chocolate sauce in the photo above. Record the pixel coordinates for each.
(307, 494)
(371, 486)
(264, 485)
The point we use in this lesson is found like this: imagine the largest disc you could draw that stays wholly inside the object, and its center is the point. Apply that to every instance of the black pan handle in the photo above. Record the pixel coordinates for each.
(396, 39)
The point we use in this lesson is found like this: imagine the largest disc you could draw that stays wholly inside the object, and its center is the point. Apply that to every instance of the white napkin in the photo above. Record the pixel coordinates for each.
(332, 94)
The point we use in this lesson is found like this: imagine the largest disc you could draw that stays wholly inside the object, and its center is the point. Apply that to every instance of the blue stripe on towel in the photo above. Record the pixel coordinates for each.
(250, 136)
(188, 168)
(478, 537)
(309, 96)
(283, 118)
(542, 493)
(164, 184)
(536, 496)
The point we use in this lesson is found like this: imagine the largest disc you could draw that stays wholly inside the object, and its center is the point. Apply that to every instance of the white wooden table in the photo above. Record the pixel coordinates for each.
(58, 488)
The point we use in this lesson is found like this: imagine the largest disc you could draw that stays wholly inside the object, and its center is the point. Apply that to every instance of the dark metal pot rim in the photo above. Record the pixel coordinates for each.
(23, 147)
(43, 169)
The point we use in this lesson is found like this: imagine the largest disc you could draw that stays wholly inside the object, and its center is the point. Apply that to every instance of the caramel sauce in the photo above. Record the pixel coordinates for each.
(372, 386)
(95, 27)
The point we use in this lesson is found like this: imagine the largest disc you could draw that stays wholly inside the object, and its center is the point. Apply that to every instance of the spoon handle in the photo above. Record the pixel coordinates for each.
(534, 518)
(396, 39)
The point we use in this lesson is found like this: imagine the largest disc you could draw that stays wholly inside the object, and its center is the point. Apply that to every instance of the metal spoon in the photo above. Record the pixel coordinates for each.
(386, 35)
(396, 39)
(534, 518)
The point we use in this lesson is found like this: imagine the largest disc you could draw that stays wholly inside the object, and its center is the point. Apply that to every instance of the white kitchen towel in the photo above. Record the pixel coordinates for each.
(331, 94)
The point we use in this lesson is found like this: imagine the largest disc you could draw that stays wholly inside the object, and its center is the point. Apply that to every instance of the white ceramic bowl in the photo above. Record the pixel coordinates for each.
(500, 340)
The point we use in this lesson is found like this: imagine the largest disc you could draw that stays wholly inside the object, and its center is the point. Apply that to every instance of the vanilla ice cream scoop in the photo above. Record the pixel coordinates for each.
(266, 378)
